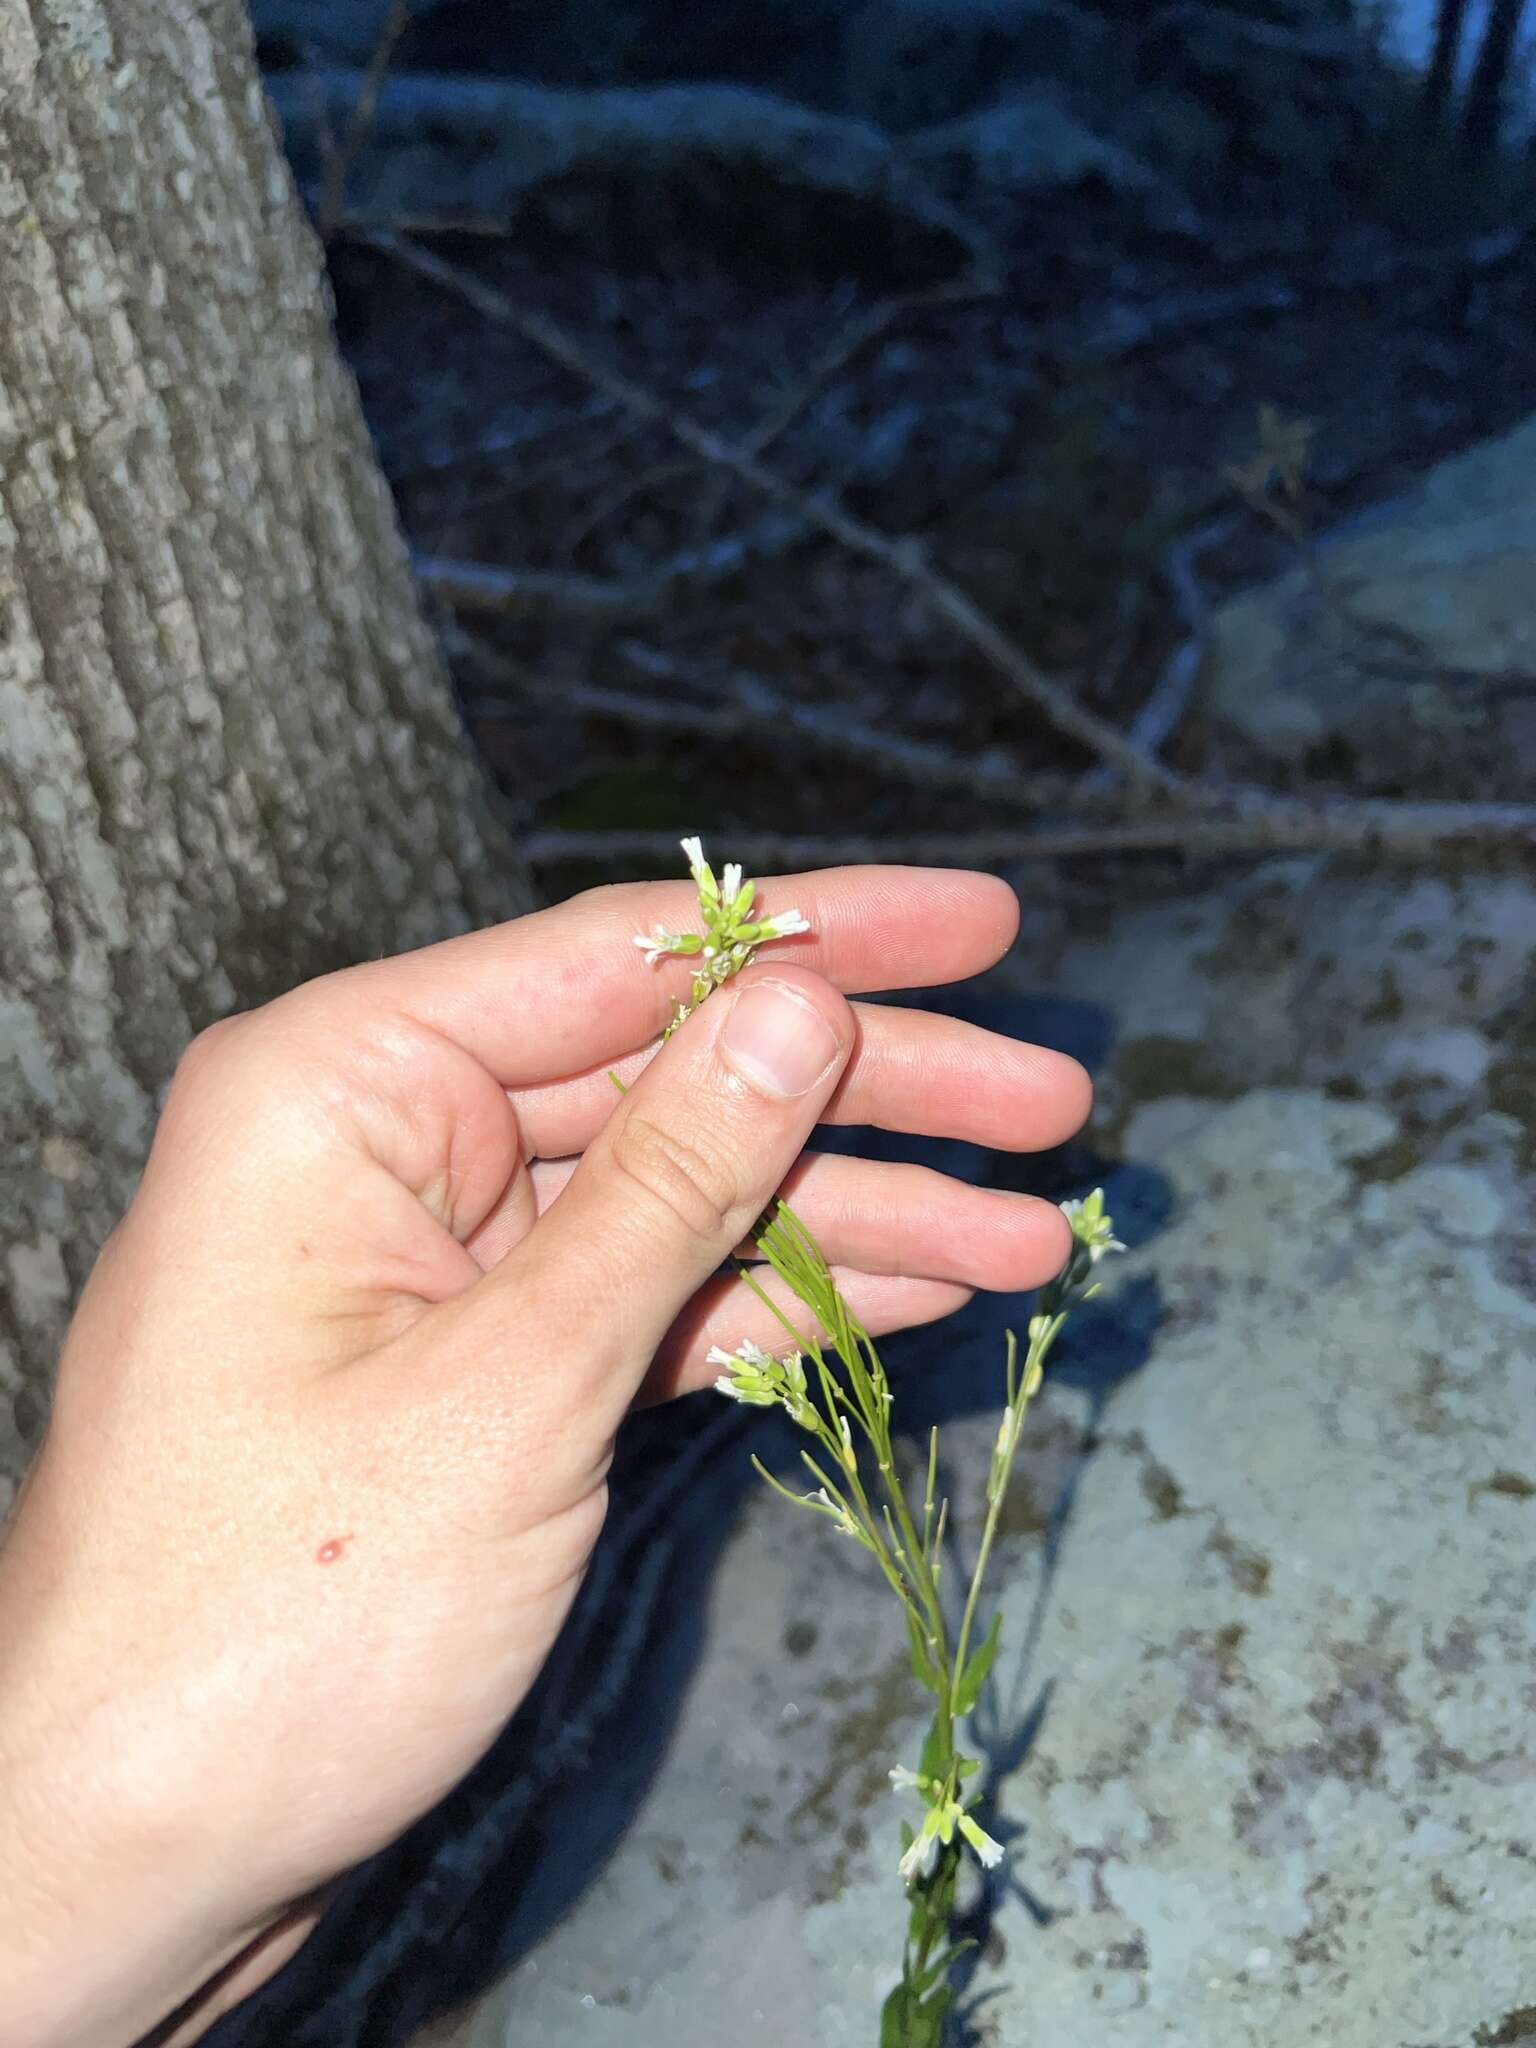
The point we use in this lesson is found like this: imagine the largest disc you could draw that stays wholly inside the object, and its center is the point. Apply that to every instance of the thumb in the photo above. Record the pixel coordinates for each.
(682, 1170)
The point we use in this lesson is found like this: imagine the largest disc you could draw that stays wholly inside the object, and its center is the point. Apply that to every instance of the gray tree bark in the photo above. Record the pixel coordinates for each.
(228, 754)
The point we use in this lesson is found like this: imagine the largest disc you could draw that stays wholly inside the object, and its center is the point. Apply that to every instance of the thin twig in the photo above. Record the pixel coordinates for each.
(905, 558)
(1259, 824)
(858, 335)
(855, 338)
(486, 587)
(741, 704)
(1158, 716)
(331, 209)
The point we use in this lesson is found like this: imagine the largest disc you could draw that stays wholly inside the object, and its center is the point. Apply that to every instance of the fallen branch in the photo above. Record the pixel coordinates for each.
(339, 159)
(1385, 829)
(485, 587)
(742, 705)
(447, 145)
(1158, 716)
(904, 558)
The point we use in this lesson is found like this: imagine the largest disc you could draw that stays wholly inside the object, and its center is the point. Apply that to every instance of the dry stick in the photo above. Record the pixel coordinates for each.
(339, 161)
(1158, 716)
(855, 338)
(905, 558)
(742, 704)
(487, 587)
(1256, 824)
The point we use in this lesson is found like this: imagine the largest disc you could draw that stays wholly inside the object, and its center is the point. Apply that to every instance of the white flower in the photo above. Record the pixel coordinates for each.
(1092, 1229)
(989, 1853)
(703, 874)
(785, 925)
(903, 1779)
(730, 883)
(922, 1855)
(850, 1458)
(825, 1504)
(1004, 1431)
(655, 945)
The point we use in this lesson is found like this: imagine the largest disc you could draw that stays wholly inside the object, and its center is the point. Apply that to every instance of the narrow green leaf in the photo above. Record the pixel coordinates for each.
(934, 1758)
(924, 1984)
(893, 2019)
(979, 1663)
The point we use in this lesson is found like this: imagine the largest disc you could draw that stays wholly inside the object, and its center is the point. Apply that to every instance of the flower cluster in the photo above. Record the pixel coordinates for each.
(731, 933)
(1093, 1235)
(749, 1374)
(945, 1818)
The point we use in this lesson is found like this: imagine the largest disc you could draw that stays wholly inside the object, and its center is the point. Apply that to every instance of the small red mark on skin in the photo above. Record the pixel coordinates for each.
(306, 1251)
(329, 1552)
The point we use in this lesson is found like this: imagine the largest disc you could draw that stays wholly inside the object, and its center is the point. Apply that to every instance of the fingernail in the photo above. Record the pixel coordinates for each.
(776, 1041)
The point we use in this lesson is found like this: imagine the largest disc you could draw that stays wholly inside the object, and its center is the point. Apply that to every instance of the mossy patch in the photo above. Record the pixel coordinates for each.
(1507, 1485)
(1149, 1068)
(1519, 2025)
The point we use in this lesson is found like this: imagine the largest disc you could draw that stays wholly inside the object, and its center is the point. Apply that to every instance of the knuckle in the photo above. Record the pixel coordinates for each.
(204, 1053)
(698, 1186)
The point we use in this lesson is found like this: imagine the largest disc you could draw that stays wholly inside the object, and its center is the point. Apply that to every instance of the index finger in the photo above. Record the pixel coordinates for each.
(562, 989)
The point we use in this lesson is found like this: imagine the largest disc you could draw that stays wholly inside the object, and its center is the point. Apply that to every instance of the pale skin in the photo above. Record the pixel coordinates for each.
(328, 1452)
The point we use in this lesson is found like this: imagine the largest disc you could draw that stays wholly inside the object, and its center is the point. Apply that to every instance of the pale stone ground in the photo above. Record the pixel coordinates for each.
(1282, 1786)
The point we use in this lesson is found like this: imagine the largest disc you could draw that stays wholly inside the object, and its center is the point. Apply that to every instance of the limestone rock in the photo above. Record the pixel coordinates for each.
(1025, 143)
(1431, 606)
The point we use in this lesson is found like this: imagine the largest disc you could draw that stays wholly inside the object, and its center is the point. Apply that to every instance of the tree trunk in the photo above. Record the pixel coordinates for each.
(1484, 113)
(1440, 79)
(228, 754)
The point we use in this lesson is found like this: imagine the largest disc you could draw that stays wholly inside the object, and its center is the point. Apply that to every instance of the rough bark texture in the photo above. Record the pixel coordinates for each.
(228, 755)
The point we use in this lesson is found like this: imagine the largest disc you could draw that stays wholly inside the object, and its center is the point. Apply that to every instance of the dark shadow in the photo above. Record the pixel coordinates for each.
(446, 1910)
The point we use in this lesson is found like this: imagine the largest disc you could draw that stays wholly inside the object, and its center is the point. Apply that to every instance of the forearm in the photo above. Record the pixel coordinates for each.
(102, 1928)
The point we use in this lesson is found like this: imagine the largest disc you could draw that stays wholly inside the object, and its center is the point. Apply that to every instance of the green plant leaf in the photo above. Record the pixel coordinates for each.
(979, 1663)
(924, 1984)
(907, 2021)
(893, 2019)
(935, 1756)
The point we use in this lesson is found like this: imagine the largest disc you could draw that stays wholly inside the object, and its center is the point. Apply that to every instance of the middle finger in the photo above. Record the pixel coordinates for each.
(911, 1070)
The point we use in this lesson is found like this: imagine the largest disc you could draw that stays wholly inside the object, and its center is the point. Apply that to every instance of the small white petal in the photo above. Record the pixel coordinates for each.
(693, 852)
(989, 1853)
(786, 924)
(717, 1355)
(727, 1386)
(730, 881)
(920, 1858)
(903, 1779)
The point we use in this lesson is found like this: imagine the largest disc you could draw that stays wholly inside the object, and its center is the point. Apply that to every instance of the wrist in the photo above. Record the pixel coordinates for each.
(107, 1924)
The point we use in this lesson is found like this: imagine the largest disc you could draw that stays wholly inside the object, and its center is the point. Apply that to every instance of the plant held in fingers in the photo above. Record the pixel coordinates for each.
(834, 1387)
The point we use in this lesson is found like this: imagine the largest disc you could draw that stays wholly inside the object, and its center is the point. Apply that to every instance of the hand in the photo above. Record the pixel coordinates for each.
(328, 1450)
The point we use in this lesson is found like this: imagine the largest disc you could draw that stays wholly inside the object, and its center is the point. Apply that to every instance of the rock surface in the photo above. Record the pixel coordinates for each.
(1027, 142)
(1430, 612)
